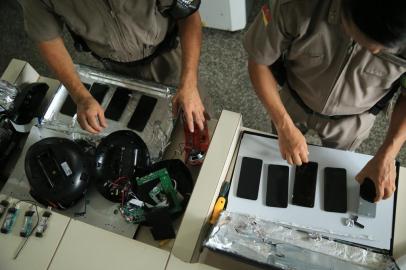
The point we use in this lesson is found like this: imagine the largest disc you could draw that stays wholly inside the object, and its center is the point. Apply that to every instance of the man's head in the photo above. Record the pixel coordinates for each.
(376, 24)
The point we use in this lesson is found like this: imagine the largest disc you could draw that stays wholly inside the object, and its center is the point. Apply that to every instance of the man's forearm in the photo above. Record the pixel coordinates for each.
(190, 40)
(292, 143)
(266, 88)
(396, 135)
(58, 59)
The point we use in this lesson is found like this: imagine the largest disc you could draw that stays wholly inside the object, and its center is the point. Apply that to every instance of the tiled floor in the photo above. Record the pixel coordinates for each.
(223, 71)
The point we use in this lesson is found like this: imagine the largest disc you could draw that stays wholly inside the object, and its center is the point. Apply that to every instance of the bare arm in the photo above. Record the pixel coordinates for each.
(188, 94)
(381, 169)
(396, 135)
(292, 143)
(90, 114)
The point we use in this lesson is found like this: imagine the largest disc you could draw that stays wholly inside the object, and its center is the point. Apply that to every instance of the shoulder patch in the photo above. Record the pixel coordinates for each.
(266, 14)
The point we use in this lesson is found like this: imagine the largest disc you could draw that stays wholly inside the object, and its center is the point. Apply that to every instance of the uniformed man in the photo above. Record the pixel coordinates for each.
(341, 60)
(134, 38)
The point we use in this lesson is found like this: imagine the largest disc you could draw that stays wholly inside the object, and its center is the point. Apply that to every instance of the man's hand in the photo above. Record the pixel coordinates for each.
(90, 114)
(188, 99)
(292, 145)
(187, 96)
(381, 168)
(382, 171)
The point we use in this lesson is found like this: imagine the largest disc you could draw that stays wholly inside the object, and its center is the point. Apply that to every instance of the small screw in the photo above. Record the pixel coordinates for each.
(356, 223)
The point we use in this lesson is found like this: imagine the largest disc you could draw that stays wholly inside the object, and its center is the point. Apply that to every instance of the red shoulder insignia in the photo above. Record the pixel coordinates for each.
(266, 14)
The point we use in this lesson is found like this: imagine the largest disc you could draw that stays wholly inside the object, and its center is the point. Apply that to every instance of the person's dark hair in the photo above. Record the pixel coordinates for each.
(383, 21)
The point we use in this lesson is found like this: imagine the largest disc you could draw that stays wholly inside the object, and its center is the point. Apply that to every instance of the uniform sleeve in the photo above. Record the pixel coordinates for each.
(41, 24)
(267, 37)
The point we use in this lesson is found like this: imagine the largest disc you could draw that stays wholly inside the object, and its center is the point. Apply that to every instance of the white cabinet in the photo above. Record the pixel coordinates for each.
(230, 15)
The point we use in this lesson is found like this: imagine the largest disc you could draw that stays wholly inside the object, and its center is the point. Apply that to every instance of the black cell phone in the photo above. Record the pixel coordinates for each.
(98, 91)
(250, 176)
(69, 107)
(304, 189)
(142, 113)
(277, 187)
(118, 103)
(335, 190)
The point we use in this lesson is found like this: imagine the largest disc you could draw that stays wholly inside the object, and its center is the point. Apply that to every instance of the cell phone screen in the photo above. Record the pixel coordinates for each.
(98, 91)
(250, 176)
(304, 189)
(277, 186)
(335, 190)
(118, 103)
(142, 113)
(69, 107)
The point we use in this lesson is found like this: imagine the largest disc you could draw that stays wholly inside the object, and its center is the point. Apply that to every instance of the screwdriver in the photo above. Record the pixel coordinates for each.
(220, 203)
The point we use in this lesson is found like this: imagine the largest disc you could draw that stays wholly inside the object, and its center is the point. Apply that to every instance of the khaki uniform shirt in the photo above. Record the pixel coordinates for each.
(331, 73)
(122, 30)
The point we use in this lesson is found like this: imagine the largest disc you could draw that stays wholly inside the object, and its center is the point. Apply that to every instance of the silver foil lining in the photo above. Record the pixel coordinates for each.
(158, 129)
(274, 244)
(8, 93)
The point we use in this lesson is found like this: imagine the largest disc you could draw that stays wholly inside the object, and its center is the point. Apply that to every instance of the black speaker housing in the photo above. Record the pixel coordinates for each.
(121, 154)
(58, 172)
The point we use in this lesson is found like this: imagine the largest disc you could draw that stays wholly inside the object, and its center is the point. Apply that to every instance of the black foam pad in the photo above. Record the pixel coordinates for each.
(367, 190)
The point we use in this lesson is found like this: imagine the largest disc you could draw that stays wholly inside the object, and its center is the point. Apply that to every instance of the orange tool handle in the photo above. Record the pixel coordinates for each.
(218, 207)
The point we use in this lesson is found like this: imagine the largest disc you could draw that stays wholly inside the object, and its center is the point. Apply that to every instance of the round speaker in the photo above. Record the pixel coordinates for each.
(57, 171)
(120, 156)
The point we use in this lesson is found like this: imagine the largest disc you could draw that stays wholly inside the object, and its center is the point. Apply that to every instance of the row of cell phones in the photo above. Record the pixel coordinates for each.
(117, 105)
(304, 190)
